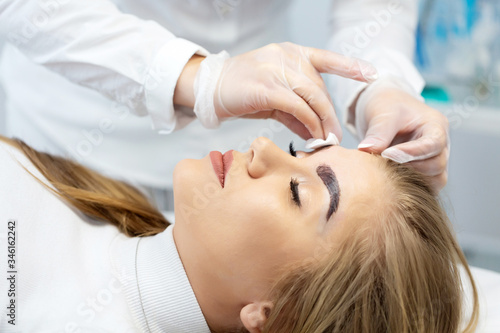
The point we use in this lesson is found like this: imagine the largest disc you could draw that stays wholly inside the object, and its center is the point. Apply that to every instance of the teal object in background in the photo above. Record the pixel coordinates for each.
(471, 13)
(436, 94)
(458, 50)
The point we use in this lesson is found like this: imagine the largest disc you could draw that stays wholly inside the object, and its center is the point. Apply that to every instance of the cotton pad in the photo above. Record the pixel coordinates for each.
(331, 140)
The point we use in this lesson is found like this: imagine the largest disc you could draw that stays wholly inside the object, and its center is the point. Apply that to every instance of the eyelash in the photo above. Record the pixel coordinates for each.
(294, 188)
(294, 184)
(292, 149)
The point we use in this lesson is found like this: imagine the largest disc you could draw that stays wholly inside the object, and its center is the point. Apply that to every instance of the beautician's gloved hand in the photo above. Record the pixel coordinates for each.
(393, 120)
(279, 81)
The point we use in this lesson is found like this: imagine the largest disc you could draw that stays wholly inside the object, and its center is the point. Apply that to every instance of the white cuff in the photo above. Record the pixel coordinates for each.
(162, 79)
(204, 87)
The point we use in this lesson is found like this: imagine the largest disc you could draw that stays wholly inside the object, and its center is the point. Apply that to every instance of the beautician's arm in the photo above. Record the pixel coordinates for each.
(139, 63)
(93, 44)
(390, 111)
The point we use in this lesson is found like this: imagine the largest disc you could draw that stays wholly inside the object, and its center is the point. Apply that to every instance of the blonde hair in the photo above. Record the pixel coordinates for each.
(397, 272)
(401, 275)
(95, 195)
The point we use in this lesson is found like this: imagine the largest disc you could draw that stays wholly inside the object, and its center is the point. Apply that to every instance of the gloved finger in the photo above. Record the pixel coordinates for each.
(381, 131)
(316, 77)
(432, 166)
(333, 63)
(319, 101)
(287, 101)
(292, 123)
(285, 118)
(433, 141)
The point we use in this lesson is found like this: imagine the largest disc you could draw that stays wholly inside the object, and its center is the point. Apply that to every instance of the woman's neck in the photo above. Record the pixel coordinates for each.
(217, 299)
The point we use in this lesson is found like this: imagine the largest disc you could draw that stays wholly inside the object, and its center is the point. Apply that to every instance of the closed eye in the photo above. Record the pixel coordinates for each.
(294, 189)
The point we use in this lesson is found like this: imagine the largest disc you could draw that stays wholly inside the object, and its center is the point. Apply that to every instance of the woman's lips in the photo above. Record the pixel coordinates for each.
(221, 164)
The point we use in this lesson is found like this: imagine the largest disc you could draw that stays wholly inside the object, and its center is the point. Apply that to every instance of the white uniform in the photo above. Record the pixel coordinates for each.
(69, 273)
(58, 49)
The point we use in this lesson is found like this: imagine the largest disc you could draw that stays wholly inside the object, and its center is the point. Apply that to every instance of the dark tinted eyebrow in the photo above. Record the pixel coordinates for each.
(328, 177)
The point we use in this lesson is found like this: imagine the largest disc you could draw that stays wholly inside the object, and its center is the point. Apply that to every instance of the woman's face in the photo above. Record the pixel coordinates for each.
(273, 211)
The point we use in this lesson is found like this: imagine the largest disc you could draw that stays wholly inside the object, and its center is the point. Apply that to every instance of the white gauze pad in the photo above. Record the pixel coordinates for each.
(331, 140)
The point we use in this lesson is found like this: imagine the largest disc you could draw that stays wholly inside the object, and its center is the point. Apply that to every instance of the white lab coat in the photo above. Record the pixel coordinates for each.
(76, 73)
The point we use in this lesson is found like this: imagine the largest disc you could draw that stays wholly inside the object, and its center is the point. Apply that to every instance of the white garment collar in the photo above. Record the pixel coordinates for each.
(155, 284)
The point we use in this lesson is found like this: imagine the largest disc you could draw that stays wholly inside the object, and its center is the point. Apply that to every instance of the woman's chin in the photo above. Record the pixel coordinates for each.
(188, 175)
(184, 172)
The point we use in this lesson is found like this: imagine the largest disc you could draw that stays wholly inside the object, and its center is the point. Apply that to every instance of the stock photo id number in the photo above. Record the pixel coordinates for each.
(11, 272)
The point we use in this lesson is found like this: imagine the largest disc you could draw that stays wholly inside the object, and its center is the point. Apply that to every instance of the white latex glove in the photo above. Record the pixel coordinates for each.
(279, 81)
(393, 120)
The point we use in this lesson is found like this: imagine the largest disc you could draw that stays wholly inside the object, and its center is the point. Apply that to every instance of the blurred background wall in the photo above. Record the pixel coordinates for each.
(459, 55)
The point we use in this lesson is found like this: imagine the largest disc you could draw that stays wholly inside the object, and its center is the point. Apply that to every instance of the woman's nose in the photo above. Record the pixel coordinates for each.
(266, 157)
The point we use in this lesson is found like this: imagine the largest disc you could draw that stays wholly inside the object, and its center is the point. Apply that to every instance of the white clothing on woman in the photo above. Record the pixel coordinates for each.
(75, 274)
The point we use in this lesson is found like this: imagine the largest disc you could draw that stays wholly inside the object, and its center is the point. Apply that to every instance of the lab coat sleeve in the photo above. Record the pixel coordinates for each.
(379, 31)
(93, 44)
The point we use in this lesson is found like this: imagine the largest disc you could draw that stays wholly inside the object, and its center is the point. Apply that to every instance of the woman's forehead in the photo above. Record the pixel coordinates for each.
(360, 175)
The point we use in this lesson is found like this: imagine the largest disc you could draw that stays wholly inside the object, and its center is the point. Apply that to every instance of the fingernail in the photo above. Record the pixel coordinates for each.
(365, 145)
(397, 155)
(368, 71)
